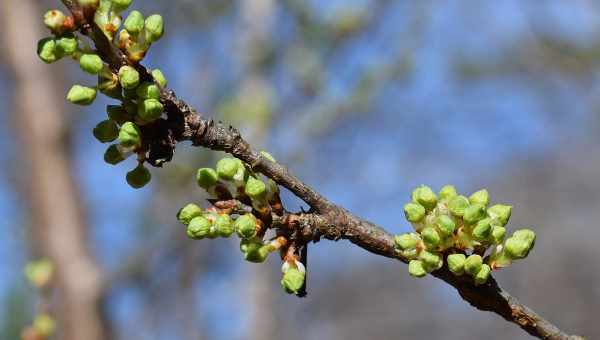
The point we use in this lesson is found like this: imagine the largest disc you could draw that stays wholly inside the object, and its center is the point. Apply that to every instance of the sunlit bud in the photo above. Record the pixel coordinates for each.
(500, 212)
(498, 234)
(430, 237)
(406, 241)
(254, 250)
(473, 264)
(188, 212)
(134, 23)
(106, 131)
(154, 27)
(121, 5)
(224, 225)
(483, 274)
(430, 261)
(416, 269)
(148, 90)
(46, 50)
(44, 325)
(113, 155)
(293, 280)
(456, 263)
(245, 226)
(54, 20)
(159, 77)
(445, 225)
(213, 232)
(198, 228)
(241, 175)
(425, 197)
(227, 168)
(129, 77)
(414, 212)
(91, 63)
(268, 156)
(130, 135)
(39, 273)
(520, 243)
(448, 192)
(255, 188)
(482, 230)
(480, 197)
(81, 95)
(118, 114)
(474, 213)
(66, 45)
(150, 110)
(206, 177)
(138, 177)
(457, 205)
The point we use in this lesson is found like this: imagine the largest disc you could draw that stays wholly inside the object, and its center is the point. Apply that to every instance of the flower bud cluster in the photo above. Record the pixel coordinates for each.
(462, 230)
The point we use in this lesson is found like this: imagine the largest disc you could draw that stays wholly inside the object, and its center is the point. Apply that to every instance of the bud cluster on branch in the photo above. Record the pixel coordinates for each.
(462, 231)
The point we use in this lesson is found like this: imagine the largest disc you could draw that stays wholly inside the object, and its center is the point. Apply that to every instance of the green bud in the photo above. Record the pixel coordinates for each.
(46, 50)
(482, 230)
(138, 177)
(54, 20)
(106, 131)
(425, 197)
(150, 110)
(39, 273)
(206, 177)
(224, 225)
(416, 269)
(81, 95)
(198, 228)
(91, 63)
(134, 23)
(129, 77)
(245, 226)
(498, 234)
(520, 243)
(113, 155)
(227, 167)
(255, 188)
(254, 250)
(89, 3)
(445, 225)
(406, 241)
(148, 90)
(154, 27)
(457, 205)
(268, 156)
(430, 237)
(473, 264)
(414, 212)
(44, 325)
(456, 263)
(188, 212)
(66, 45)
(292, 280)
(118, 114)
(120, 5)
(480, 197)
(483, 275)
(130, 135)
(500, 212)
(430, 261)
(474, 213)
(159, 77)
(448, 192)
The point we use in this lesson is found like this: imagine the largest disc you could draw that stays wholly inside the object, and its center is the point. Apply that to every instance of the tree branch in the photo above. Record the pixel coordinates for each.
(325, 219)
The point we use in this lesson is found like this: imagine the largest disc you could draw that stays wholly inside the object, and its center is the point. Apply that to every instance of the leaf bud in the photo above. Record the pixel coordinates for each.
(206, 177)
(456, 263)
(81, 95)
(198, 228)
(473, 264)
(91, 63)
(520, 243)
(483, 274)
(154, 27)
(416, 269)
(129, 77)
(500, 212)
(130, 135)
(480, 197)
(448, 192)
(138, 177)
(106, 131)
(414, 212)
(245, 226)
(188, 212)
(457, 205)
(474, 213)
(425, 197)
(227, 168)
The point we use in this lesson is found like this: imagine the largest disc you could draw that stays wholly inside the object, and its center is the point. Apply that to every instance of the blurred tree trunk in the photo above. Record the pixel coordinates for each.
(58, 223)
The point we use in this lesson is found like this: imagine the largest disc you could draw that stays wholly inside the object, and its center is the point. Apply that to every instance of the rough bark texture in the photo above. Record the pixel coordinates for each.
(58, 224)
(325, 219)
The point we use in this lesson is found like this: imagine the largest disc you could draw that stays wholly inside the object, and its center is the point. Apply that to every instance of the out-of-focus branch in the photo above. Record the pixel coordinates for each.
(327, 219)
(58, 224)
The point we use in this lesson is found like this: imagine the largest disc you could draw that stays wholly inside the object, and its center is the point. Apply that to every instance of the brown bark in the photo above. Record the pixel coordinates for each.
(58, 223)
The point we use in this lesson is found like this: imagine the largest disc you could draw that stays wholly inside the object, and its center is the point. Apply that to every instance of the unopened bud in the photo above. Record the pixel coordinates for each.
(138, 177)
(81, 95)
(44, 325)
(520, 243)
(113, 155)
(106, 131)
(406, 241)
(54, 20)
(130, 135)
(431, 261)
(91, 63)
(120, 5)
(254, 250)
(46, 50)
(224, 225)
(445, 225)
(425, 197)
(457, 205)
(189, 212)
(150, 110)
(500, 212)
(134, 23)
(198, 228)
(245, 226)
(456, 263)
(154, 27)
(227, 168)
(474, 213)
(66, 45)
(498, 234)
(129, 77)
(473, 264)
(414, 212)
(206, 177)
(293, 280)
(480, 197)
(255, 188)
(89, 3)
(268, 156)
(448, 192)
(159, 77)
(482, 230)
(431, 238)
(416, 269)
(483, 275)
(148, 90)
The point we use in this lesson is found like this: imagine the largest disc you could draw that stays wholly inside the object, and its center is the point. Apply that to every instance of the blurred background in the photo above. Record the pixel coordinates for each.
(363, 100)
